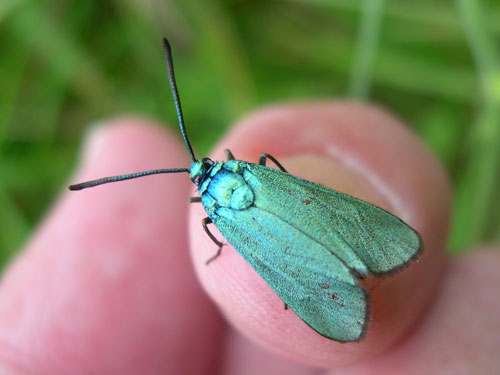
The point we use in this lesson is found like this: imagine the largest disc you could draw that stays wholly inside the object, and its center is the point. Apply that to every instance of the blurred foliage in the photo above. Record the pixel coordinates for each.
(66, 64)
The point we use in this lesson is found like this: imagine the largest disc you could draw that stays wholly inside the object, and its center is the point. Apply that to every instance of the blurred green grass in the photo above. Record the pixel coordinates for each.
(67, 64)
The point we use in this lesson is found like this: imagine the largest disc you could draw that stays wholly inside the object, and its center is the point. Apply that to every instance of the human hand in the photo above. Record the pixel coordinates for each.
(106, 284)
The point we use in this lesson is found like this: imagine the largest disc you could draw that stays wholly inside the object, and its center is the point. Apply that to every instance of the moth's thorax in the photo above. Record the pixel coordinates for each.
(224, 186)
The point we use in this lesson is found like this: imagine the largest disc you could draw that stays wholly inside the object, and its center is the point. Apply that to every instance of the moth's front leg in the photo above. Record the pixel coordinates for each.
(263, 157)
(205, 223)
(229, 154)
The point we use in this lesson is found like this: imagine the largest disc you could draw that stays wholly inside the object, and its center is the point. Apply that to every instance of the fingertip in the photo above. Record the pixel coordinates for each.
(362, 151)
(105, 284)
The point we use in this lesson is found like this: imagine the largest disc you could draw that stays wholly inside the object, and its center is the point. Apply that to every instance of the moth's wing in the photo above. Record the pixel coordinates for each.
(311, 280)
(365, 237)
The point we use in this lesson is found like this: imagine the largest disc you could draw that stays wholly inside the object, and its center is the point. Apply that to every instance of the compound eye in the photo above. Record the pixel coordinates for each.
(196, 179)
(207, 161)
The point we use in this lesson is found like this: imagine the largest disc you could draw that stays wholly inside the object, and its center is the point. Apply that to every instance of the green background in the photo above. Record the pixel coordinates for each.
(67, 64)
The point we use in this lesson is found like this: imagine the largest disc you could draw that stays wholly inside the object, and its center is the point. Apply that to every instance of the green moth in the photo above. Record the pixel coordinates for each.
(311, 244)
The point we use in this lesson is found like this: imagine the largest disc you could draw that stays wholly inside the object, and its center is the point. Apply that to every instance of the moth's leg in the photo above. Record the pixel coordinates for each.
(286, 306)
(195, 200)
(229, 154)
(205, 223)
(264, 156)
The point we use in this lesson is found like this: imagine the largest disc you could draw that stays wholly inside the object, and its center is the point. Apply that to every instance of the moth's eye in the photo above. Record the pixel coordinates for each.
(207, 162)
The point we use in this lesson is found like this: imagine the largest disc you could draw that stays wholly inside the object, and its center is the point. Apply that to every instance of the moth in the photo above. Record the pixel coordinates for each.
(311, 244)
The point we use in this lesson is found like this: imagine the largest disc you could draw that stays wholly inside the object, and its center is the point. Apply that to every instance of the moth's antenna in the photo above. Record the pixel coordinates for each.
(175, 94)
(123, 177)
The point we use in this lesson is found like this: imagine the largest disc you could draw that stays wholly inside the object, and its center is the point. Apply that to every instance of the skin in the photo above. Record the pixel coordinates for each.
(106, 283)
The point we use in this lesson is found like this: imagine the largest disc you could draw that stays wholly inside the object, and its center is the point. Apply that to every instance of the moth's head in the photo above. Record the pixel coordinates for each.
(199, 169)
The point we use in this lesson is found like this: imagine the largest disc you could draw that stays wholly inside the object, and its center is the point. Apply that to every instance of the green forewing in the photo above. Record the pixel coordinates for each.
(365, 237)
(311, 244)
(307, 276)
